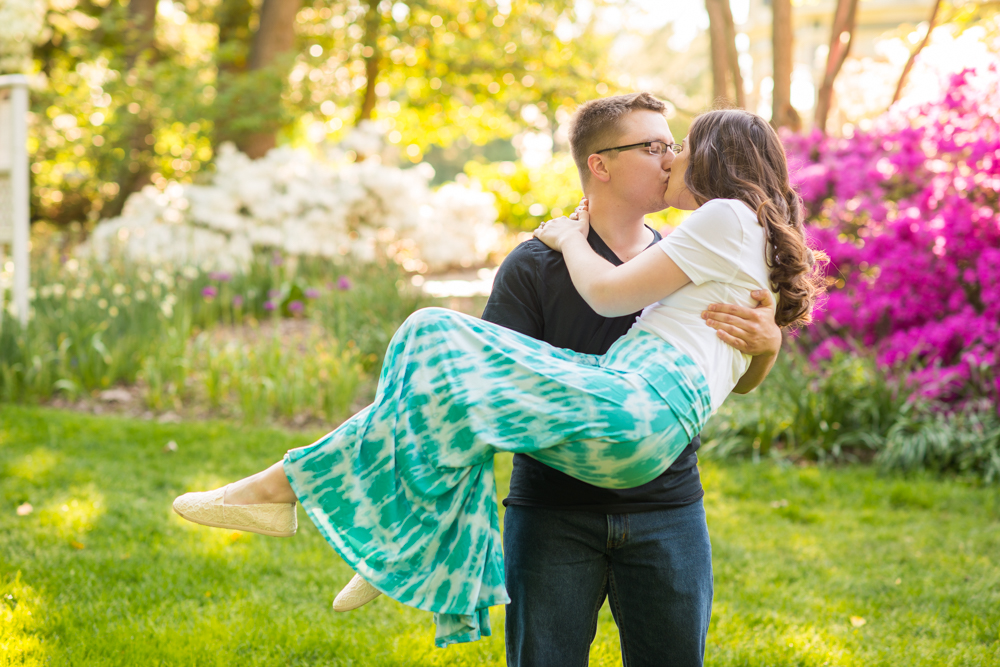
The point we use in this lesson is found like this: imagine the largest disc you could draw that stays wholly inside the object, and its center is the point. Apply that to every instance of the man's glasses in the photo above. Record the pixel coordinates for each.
(652, 147)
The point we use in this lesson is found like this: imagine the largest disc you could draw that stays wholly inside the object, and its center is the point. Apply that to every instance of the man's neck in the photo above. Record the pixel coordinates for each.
(620, 226)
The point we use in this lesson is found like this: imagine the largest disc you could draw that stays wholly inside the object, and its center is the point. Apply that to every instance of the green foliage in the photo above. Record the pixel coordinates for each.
(965, 440)
(526, 196)
(248, 102)
(109, 119)
(836, 410)
(451, 69)
(256, 378)
(99, 324)
(849, 408)
(115, 112)
(111, 576)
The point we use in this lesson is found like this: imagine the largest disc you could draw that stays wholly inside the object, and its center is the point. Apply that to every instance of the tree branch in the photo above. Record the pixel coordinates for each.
(913, 56)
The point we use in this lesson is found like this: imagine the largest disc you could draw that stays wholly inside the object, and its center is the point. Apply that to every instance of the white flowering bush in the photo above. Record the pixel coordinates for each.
(21, 25)
(295, 203)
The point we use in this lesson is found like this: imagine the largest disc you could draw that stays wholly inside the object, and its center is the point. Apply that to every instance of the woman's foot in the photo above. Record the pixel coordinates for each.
(263, 503)
(356, 593)
(210, 508)
(266, 487)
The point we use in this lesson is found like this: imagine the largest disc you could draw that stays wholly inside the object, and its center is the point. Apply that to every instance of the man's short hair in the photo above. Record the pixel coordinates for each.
(596, 125)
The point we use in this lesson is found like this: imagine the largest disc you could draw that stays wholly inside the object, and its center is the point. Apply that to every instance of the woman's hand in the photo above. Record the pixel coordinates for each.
(554, 233)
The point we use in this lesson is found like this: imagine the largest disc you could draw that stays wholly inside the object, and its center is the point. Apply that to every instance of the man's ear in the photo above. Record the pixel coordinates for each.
(598, 168)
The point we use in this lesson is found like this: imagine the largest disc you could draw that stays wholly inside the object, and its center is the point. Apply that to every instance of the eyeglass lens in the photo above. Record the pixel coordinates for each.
(660, 148)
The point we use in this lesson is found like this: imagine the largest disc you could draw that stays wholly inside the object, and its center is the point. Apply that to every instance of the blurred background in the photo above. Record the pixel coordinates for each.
(126, 94)
(201, 170)
(235, 203)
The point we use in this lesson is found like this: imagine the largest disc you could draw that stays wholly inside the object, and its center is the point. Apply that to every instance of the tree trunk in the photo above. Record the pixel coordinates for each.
(916, 52)
(783, 114)
(727, 82)
(720, 53)
(734, 56)
(373, 24)
(140, 36)
(275, 36)
(232, 18)
(841, 37)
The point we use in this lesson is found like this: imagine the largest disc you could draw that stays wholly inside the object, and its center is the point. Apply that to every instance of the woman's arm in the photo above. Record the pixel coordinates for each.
(751, 331)
(760, 366)
(611, 290)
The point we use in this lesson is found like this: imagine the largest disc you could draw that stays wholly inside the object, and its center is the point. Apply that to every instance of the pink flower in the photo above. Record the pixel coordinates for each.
(909, 216)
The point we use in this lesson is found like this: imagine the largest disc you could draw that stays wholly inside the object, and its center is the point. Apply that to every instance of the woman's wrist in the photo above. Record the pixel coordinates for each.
(571, 238)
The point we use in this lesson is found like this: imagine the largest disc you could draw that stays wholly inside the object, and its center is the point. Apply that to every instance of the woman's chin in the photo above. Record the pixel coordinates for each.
(680, 203)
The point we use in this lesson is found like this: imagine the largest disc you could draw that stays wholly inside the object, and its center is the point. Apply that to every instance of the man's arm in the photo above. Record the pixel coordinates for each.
(751, 331)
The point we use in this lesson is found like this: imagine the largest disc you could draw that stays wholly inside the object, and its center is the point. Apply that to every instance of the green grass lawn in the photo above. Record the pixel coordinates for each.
(813, 566)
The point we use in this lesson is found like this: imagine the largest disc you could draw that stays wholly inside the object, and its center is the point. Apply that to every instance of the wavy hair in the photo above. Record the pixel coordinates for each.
(736, 154)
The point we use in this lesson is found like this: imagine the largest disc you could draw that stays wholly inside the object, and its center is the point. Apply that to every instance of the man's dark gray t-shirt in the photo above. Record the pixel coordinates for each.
(534, 295)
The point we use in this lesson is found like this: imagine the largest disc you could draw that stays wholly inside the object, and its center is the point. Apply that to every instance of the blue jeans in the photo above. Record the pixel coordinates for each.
(560, 565)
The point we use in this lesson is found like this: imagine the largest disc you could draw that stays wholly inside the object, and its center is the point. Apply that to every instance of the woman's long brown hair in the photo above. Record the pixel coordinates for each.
(736, 154)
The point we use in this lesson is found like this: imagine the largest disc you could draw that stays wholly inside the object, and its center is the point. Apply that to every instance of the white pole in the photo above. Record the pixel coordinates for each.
(2, 289)
(20, 195)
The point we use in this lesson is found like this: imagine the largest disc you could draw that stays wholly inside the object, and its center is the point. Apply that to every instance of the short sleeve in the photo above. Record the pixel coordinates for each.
(708, 245)
(514, 301)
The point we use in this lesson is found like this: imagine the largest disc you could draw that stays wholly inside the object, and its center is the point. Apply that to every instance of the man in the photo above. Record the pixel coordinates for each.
(569, 545)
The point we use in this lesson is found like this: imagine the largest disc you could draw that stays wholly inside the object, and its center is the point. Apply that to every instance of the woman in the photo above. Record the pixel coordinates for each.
(404, 490)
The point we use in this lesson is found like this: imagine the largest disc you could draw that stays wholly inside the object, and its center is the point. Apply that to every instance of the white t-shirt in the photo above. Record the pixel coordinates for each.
(720, 247)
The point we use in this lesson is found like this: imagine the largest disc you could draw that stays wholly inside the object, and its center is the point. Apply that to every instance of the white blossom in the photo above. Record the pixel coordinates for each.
(298, 204)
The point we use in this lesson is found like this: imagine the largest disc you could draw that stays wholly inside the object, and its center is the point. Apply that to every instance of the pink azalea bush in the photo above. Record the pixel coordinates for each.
(909, 214)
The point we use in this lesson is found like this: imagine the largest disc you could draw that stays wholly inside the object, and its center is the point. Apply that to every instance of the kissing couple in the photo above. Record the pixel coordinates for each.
(601, 354)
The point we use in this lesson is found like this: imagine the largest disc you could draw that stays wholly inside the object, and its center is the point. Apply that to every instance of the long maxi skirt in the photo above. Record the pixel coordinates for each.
(404, 490)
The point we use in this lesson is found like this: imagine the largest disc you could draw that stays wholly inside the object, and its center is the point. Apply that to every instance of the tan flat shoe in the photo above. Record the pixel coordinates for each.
(356, 593)
(210, 509)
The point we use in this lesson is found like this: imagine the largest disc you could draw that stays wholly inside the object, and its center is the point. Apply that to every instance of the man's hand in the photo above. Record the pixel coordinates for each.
(750, 330)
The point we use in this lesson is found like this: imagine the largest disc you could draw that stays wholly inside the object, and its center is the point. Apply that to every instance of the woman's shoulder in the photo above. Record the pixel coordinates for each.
(725, 206)
(717, 215)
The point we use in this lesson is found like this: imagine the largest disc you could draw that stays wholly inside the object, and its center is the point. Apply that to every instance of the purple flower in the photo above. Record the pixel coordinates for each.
(269, 306)
(907, 213)
(209, 292)
(274, 293)
(221, 276)
(296, 306)
(277, 259)
(344, 283)
(312, 293)
(237, 301)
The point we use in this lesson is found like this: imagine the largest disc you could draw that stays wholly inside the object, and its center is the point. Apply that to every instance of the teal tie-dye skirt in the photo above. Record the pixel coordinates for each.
(404, 490)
